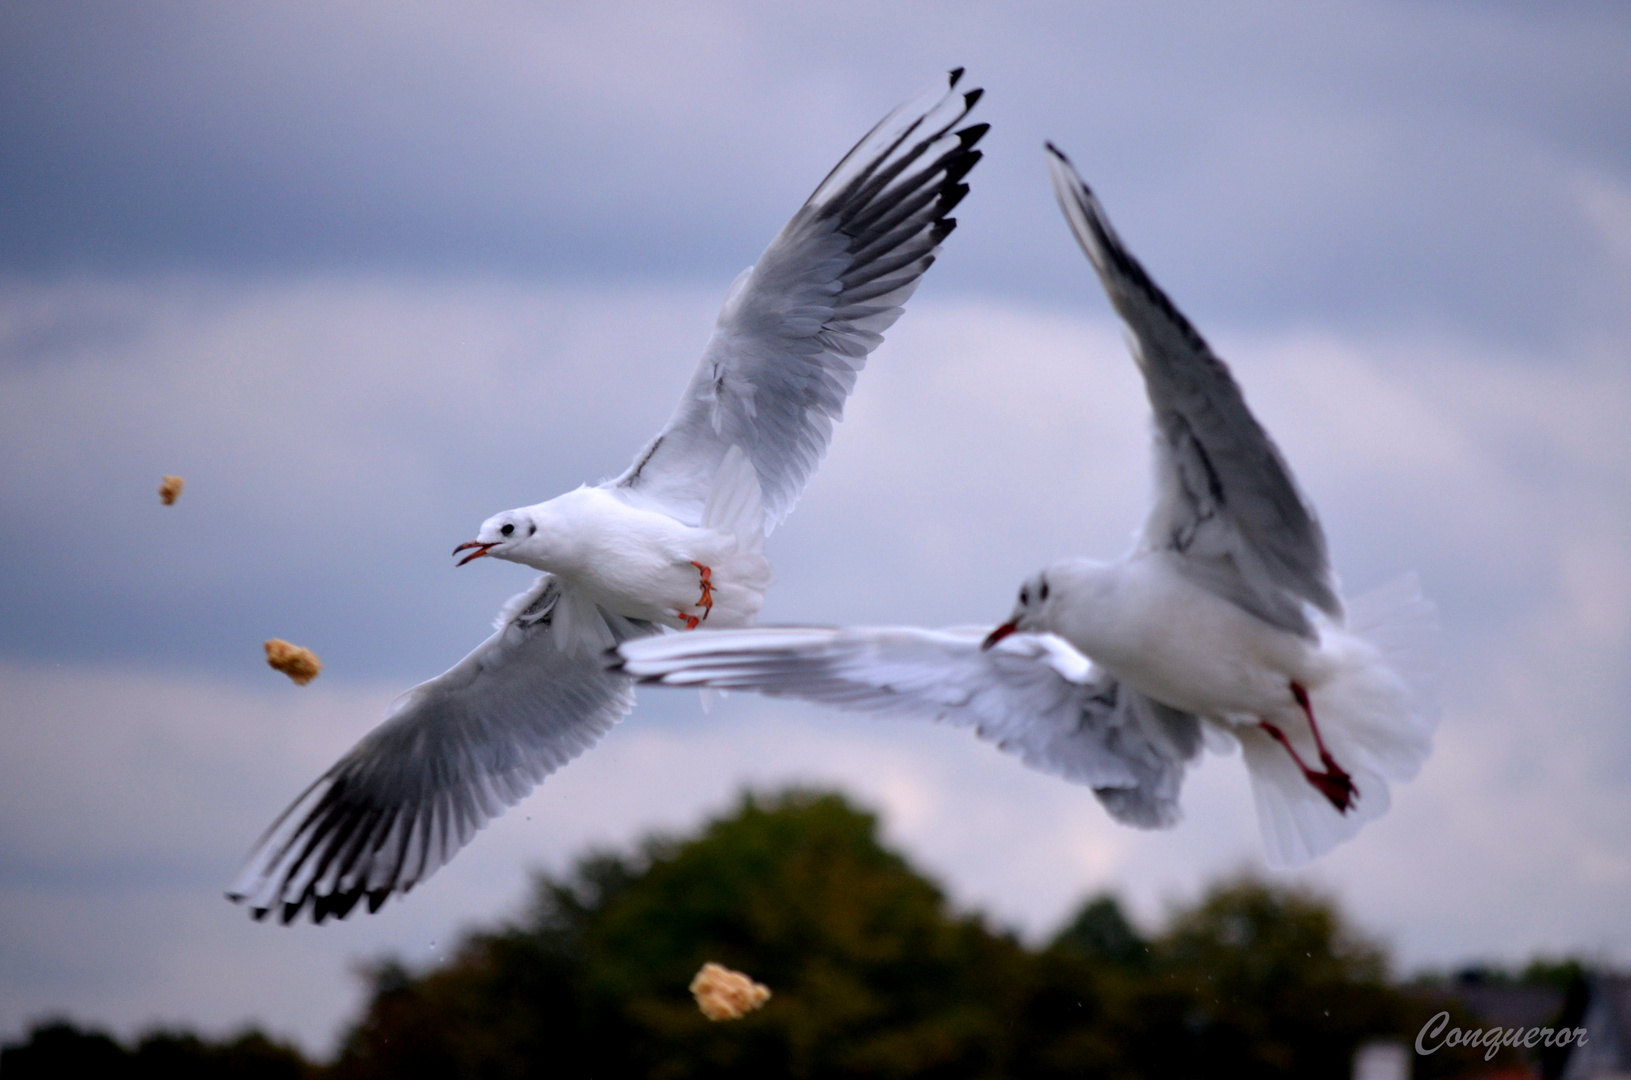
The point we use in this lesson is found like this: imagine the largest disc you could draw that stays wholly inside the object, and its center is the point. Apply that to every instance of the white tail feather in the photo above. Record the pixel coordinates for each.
(1376, 713)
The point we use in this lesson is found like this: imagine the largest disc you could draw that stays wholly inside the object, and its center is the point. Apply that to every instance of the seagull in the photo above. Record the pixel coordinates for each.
(676, 541)
(1222, 627)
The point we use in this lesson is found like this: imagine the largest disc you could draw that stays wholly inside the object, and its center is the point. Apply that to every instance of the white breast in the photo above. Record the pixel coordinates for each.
(1183, 645)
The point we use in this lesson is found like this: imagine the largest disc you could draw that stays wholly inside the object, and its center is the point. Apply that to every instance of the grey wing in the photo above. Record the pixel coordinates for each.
(797, 327)
(452, 754)
(1226, 499)
(1033, 696)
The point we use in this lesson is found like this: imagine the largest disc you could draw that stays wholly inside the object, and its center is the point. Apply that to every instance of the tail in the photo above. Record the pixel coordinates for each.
(1377, 715)
(736, 509)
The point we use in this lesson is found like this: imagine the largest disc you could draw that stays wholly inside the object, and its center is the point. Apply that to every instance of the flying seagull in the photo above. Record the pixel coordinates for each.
(1223, 626)
(676, 541)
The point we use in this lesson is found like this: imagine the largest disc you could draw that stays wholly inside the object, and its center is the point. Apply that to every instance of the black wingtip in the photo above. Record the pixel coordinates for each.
(958, 169)
(1055, 151)
(956, 74)
(972, 134)
(972, 98)
(951, 196)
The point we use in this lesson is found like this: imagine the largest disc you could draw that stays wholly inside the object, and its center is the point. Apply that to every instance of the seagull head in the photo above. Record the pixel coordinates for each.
(503, 536)
(1030, 614)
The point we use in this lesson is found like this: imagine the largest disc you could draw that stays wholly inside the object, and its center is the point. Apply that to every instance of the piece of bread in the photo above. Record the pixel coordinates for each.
(723, 994)
(170, 489)
(299, 664)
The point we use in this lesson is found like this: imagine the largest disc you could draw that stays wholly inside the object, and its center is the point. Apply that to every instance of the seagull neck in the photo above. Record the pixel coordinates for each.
(1085, 607)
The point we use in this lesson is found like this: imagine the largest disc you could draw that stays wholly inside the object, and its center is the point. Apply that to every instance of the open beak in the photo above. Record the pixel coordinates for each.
(998, 634)
(481, 549)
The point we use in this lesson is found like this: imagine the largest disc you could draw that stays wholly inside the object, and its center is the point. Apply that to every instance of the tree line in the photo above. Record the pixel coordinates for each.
(873, 973)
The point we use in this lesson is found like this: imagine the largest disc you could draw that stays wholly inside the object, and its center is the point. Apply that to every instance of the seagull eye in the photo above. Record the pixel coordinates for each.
(507, 529)
(532, 530)
(1024, 597)
(1044, 590)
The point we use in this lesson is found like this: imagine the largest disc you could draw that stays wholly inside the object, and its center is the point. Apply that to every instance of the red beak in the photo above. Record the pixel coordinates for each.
(481, 549)
(998, 634)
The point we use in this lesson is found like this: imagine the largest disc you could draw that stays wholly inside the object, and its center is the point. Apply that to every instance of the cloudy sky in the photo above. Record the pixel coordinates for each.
(367, 275)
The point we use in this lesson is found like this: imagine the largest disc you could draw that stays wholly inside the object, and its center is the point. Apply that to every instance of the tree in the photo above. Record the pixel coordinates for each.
(872, 975)
(59, 1049)
(1268, 982)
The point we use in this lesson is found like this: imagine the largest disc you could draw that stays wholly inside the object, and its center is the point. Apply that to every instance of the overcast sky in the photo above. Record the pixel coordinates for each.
(367, 275)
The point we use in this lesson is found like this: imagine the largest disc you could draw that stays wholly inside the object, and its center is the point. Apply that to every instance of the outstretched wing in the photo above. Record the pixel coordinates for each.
(1226, 499)
(452, 754)
(1033, 696)
(797, 327)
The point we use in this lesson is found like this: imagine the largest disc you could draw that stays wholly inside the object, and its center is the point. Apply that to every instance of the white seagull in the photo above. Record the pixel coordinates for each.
(676, 541)
(1221, 627)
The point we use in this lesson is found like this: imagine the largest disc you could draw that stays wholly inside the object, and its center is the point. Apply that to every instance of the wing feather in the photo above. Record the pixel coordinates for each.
(798, 326)
(1225, 497)
(1033, 696)
(452, 754)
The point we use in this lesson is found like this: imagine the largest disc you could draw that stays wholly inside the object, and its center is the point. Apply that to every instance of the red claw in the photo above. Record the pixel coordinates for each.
(707, 601)
(1334, 783)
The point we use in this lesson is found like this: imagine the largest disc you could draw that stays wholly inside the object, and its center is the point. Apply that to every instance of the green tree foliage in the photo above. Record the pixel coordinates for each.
(873, 975)
(58, 1049)
(871, 972)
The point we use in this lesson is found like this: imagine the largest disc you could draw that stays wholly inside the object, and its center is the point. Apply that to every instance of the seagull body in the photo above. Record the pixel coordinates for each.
(676, 541)
(1222, 627)
(1174, 641)
(639, 563)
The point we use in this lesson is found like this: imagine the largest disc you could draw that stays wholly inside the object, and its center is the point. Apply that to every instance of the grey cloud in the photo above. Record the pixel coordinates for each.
(1368, 162)
(338, 438)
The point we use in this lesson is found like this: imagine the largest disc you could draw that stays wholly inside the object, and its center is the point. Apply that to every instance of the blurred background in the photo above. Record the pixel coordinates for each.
(365, 275)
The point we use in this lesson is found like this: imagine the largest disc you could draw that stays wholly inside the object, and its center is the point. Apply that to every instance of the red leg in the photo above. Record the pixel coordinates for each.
(707, 601)
(1298, 692)
(690, 620)
(1334, 783)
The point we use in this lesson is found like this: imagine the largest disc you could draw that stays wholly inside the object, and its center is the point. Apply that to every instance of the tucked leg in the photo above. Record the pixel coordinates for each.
(706, 603)
(1301, 695)
(1334, 783)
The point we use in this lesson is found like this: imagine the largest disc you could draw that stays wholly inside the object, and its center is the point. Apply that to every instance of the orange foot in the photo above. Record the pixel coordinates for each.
(707, 601)
(690, 620)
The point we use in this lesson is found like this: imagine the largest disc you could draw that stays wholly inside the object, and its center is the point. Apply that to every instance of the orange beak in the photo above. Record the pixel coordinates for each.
(481, 549)
(998, 634)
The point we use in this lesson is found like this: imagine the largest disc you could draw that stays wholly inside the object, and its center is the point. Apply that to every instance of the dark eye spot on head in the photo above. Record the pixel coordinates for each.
(1024, 597)
(532, 530)
(1044, 588)
(507, 529)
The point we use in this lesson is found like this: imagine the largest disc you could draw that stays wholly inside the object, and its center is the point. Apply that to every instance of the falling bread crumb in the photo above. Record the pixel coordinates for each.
(299, 664)
(170, 490)
(723, 994)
